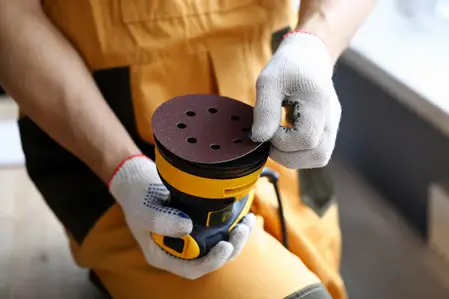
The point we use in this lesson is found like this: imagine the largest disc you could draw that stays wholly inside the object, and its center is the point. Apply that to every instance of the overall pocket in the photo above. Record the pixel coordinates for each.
(157, 10)
(189, 26)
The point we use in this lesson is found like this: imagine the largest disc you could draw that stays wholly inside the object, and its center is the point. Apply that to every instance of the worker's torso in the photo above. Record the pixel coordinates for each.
(173, 47)
(111, 33)
(145, 52)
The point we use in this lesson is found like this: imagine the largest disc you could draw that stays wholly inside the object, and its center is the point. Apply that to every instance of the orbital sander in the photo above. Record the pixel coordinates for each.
(209, 164)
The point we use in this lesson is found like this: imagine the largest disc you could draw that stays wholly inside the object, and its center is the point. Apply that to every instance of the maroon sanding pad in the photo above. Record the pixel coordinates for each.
(205, 128)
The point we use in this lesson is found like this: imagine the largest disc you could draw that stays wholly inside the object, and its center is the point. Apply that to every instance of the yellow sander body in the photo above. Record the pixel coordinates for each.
(208, 162)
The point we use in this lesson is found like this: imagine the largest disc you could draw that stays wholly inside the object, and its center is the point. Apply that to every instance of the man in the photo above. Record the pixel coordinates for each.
(88, 75)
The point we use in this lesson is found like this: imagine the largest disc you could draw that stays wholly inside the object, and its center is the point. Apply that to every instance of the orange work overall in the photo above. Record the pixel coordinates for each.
(142, 53)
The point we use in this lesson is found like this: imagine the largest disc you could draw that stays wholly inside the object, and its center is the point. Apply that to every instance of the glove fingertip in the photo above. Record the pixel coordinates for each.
(263, 132)
(239, 232)
(250, 215)
(249, 220)
(223, 249)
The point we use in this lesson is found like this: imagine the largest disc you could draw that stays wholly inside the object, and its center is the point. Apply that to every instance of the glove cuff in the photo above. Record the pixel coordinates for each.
(302, 31)
(311, 46)
(121, 165)
(131, 179)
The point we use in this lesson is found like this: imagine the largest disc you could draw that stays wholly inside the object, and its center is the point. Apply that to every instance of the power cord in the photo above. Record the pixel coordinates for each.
(273, 178)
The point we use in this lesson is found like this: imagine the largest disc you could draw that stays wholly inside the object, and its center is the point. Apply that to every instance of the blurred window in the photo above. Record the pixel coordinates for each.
(430, 14)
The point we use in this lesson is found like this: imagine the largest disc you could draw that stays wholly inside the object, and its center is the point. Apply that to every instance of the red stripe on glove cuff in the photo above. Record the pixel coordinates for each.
(301, 31)
(121, 164)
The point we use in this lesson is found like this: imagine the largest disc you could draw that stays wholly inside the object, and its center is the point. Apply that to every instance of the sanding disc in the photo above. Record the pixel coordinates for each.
(205, 128)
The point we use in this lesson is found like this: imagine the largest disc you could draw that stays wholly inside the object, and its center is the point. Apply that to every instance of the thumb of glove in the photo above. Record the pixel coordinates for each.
(163, 220)
(267, 111)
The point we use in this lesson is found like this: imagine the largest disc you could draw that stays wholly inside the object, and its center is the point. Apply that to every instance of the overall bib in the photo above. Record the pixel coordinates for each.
(142, 53)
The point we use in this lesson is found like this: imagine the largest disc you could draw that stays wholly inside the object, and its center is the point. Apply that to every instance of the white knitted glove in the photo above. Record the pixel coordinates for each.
(137, 187)
(298, 75)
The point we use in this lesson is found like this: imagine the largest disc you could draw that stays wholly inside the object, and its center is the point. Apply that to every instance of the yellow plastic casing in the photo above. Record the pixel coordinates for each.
(205, 188)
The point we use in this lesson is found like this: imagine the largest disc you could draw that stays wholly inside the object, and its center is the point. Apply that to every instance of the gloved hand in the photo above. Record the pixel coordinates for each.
(299, 76)
(138, 189)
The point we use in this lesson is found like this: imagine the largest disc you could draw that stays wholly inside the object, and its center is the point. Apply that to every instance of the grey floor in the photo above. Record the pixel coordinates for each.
(382, 257)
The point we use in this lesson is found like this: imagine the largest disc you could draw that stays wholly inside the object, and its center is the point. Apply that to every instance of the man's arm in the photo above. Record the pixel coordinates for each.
(334, 21)
(52, 85)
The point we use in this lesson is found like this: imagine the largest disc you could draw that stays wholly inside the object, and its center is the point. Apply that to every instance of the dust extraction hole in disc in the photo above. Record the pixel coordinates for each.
(191, 140)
